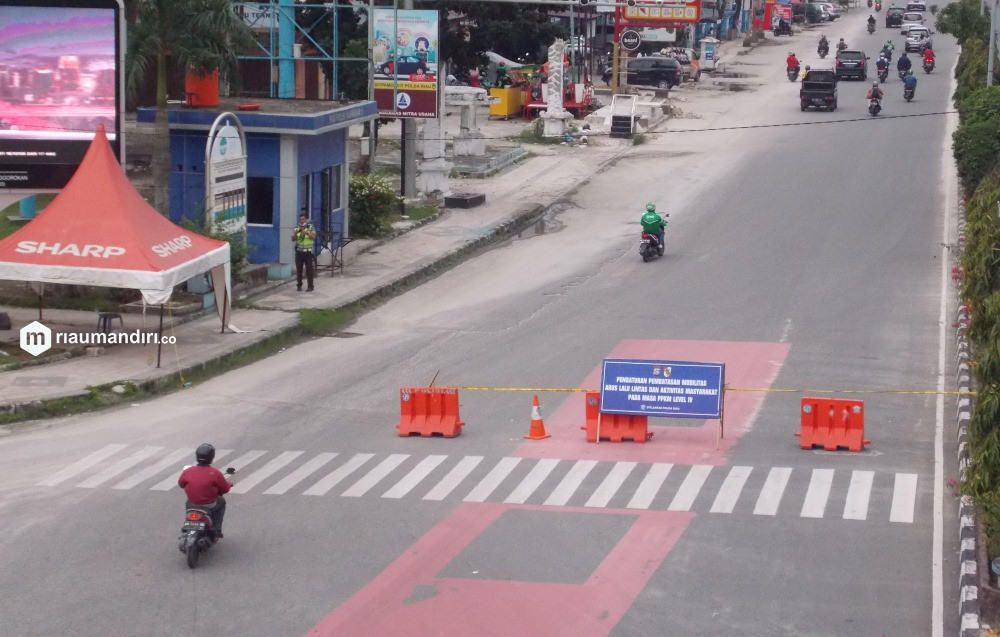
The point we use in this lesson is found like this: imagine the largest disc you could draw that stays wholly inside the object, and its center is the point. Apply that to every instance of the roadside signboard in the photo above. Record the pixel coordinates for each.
(660, 14)
(631, 39)
(226, 176)
(665, 389)
(405, 54)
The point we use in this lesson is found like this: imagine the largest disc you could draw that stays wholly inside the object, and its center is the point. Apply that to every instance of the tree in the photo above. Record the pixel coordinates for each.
(469, 29)
(203, 35)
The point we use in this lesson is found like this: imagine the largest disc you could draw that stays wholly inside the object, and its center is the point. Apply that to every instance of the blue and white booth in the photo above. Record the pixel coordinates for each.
(296, 162)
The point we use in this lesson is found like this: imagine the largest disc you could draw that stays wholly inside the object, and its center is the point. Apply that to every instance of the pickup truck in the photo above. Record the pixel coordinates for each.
(819, 88)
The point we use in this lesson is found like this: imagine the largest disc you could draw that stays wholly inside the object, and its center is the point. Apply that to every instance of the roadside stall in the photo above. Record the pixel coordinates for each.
(578, 90)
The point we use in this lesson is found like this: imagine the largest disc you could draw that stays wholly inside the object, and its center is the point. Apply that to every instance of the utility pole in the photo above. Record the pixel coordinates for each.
(408, 152)
(993, 43)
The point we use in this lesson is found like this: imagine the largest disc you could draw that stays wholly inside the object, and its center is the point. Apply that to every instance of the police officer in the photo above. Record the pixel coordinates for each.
(304, 237)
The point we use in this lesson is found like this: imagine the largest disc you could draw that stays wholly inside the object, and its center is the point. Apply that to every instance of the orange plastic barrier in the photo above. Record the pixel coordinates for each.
(614, 427)
(832, 423)
(429, 411)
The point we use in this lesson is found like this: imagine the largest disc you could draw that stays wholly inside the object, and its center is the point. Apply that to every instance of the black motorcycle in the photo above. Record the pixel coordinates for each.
(908, 93)
(823, 51)
(792, 72)
(883, 74)
(198, 534)
(928, 66)
(782, 29)
(871, 27)
(874, 107)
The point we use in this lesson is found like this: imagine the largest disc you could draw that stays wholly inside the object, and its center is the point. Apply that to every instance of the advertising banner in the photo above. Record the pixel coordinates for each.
(666, 389)
(226, 176)
(405, 52)
(60, 78)
(659, 14)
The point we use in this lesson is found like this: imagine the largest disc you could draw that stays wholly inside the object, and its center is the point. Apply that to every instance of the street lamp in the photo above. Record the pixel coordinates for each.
(993, 43)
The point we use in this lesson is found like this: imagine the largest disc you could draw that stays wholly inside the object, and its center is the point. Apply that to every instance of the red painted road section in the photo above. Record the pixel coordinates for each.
(408, 599)
(680, 441)
(462, 606)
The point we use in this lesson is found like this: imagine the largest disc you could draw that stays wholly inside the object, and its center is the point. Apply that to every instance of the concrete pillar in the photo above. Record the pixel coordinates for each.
(288, 197)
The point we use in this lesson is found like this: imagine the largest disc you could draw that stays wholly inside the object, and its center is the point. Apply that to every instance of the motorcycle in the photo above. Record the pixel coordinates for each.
(869, 4)
(780, 29)
(197, 534)
(871, 27)
(878, 7)
(649, 246)
(902, 74)
(883, 74)
(908, 93)
(888, 54)
(874, 107)
(792, 72)
(928, 66)
(822, 51)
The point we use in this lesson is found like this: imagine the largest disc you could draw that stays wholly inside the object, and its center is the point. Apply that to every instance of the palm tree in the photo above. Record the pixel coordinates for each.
(202, 35)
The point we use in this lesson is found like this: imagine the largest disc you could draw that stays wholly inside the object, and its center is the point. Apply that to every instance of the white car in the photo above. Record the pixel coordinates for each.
(918, 39)
(911, 19)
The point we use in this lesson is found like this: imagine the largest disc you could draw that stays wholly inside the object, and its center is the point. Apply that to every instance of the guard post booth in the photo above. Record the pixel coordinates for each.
(296, 163)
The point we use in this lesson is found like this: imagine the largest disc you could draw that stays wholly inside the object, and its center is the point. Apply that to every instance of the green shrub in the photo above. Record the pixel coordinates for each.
(238, 248)
(962, 20)
(372, 199)
(976, 148)
(970, 70)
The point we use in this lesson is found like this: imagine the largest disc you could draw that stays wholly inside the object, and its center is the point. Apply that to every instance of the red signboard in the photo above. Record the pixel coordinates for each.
(413, 97)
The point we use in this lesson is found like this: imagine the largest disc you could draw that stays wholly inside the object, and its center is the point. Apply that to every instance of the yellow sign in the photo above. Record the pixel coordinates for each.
(406, 86)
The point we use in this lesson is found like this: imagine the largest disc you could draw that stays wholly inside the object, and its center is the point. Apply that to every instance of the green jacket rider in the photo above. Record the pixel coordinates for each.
(653, 223)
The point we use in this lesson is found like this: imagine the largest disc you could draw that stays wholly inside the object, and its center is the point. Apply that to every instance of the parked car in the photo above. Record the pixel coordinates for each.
(406, 65)
(852, 64)
(825, 14)
(918, 39)
(655, 70)
(830, 10)
(911, 19)
(835, 9)
(894, 17)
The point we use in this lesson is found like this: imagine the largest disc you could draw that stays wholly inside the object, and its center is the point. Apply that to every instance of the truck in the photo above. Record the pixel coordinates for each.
(819, 88)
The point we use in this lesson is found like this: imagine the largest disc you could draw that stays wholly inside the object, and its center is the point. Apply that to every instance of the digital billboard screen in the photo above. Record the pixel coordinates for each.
(59, 80)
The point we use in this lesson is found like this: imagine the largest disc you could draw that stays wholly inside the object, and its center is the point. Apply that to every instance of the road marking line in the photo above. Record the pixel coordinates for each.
(171, 460)
(570, 483)
(774, 488)
(81, 465)
(532, 481)
(333, 478)
(119, 467)
(171, 482)
(858, 495)
(612, 482)
(904, 496)
(649, 486)
(492, 480)
(265, 472)
(732, 487)
(413, 478)
(301, 473)
(375, 476)
(448, 483)
(817, 494)
(689, 489)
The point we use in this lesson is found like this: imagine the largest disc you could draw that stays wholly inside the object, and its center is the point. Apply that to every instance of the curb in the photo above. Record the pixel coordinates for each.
(968, 578)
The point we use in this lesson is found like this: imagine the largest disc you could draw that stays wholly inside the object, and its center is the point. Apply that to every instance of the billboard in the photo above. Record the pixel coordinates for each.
(405, 52)
(226, 176)
(659, 14)
(60, 78)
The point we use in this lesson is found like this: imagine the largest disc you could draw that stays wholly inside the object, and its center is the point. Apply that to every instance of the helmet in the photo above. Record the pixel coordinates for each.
(650, 207)
(807, 67)
(791, 53)
(841, 39)
(205, 454)
(875, 84)
(910, 72)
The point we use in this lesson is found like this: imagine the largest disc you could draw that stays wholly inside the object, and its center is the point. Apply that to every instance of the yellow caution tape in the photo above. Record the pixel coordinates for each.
(746, 389)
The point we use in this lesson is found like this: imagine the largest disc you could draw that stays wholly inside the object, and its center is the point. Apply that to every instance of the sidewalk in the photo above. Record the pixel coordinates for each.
(514, 197)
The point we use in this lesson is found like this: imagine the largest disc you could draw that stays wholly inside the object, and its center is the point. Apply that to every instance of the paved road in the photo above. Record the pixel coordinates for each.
(830, 279)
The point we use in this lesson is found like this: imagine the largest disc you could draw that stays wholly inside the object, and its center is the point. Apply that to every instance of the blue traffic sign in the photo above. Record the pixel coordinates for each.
(667, 389)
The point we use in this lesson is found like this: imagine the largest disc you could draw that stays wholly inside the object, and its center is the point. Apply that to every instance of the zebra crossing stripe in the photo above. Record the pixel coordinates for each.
(856, 507)
(774, 488)
(612, 482)
(81, 465)
(119, 467)
(689, 489)
(171, 482)
(375, 476)
(448, 483)
(413, 478)
(532, 481)
(570, 483)
(334, 478)
(492, 480)
(729, 492)
(265, 472)
(650, 486)
(301, 473)
(818, 493)
(904, 497)
(172, 460)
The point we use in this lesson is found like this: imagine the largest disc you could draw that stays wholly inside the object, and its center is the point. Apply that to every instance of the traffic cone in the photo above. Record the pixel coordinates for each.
(537, 426)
